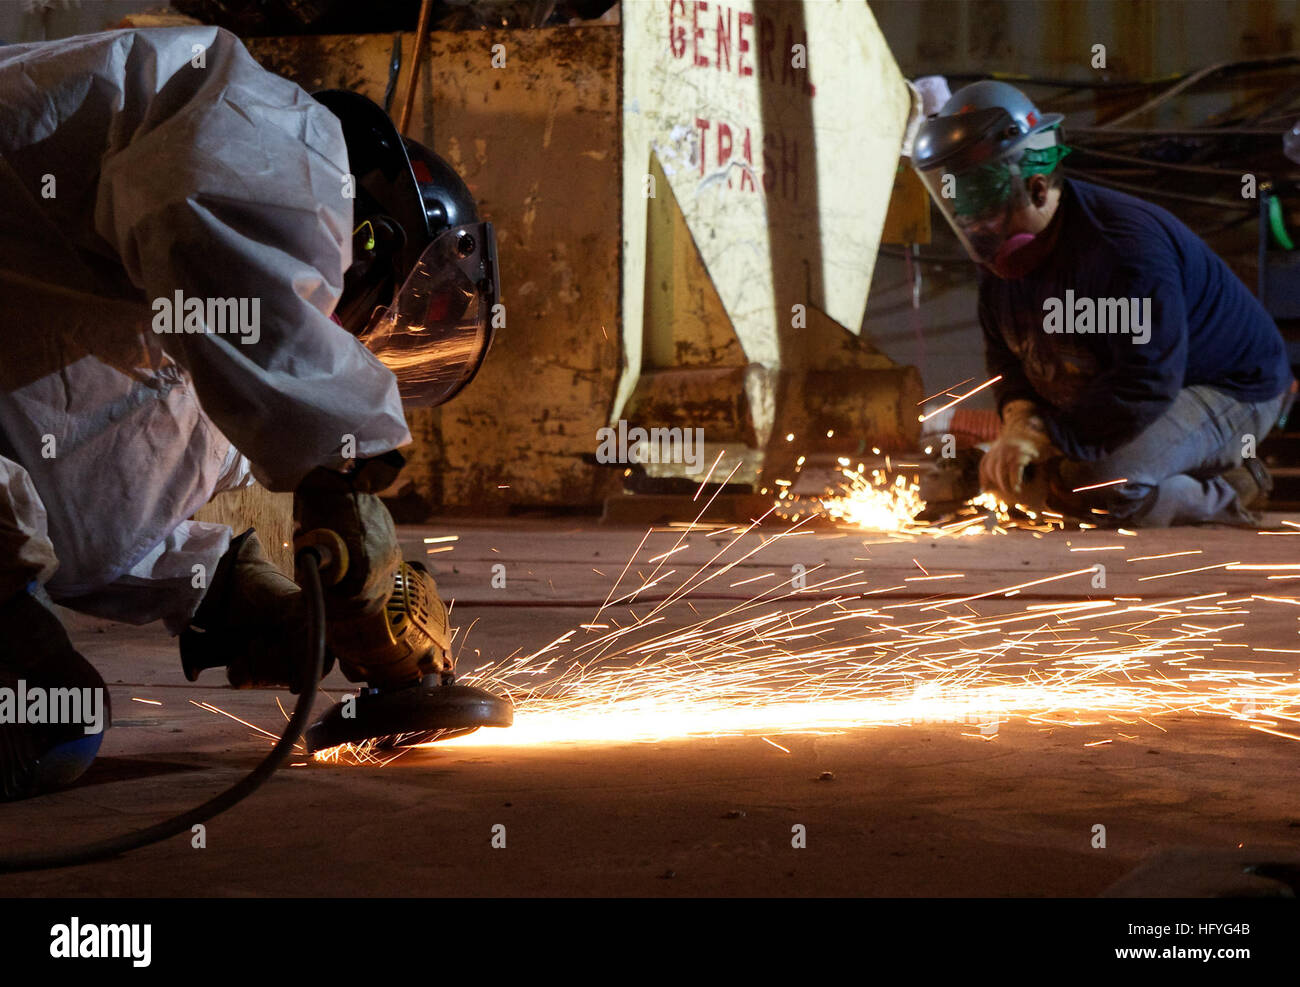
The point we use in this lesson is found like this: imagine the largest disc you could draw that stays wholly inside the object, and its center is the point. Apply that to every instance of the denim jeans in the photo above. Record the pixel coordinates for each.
(1172, 470)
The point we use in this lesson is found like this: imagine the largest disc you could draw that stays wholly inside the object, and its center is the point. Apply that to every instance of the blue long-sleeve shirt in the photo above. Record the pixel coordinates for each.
(1099, 391)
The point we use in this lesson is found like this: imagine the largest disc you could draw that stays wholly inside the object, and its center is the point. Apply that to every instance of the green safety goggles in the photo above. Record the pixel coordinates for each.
(985, 188)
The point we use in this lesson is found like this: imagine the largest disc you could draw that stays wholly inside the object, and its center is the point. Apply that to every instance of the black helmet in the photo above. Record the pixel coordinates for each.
(422, 286)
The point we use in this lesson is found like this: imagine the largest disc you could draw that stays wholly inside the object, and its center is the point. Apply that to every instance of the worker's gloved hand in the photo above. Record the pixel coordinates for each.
(346, 503)
(1023, 440)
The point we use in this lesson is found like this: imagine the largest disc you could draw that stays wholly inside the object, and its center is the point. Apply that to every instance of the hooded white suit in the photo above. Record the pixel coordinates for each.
(135, 165)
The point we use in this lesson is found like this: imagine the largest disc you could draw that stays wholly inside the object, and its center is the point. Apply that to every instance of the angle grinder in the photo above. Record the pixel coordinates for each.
(402, 655)
(399, 653)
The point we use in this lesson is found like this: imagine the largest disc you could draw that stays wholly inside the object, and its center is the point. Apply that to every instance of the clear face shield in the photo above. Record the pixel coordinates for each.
(983, 202)
(438, 328)
(980, 204)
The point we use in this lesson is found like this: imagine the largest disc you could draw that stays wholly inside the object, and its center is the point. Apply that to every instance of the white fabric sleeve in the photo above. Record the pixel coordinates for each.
(224, 181)
(26, 553)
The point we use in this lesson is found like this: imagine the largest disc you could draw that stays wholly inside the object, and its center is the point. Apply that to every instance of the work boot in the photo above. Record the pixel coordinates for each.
(252, 621)
(42, 678)
(1253, 483)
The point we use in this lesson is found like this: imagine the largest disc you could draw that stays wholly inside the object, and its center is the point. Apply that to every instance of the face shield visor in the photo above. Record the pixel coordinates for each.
(982, 202)
(436, 332)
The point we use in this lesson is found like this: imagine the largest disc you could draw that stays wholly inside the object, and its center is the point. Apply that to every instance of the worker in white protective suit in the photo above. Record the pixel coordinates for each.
(205, 277)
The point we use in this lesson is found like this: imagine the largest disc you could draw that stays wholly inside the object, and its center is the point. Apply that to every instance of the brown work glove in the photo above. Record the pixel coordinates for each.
(1023, 440)
(345, 503)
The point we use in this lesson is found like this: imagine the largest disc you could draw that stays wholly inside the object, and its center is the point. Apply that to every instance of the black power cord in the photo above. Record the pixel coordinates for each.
(308, 561)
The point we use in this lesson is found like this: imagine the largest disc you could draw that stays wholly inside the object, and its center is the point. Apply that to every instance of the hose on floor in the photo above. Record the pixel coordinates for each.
(308, 564)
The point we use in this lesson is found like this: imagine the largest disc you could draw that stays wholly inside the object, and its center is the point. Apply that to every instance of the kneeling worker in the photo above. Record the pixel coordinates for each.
(1133, 362)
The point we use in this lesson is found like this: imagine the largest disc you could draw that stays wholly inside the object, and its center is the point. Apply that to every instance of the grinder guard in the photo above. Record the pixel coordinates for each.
(432, 710)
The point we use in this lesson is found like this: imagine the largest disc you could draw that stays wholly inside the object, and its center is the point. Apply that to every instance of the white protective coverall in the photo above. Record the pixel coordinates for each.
(135, 164)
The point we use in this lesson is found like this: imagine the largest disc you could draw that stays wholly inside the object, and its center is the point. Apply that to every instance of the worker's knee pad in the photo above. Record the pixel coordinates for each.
(54, 707)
